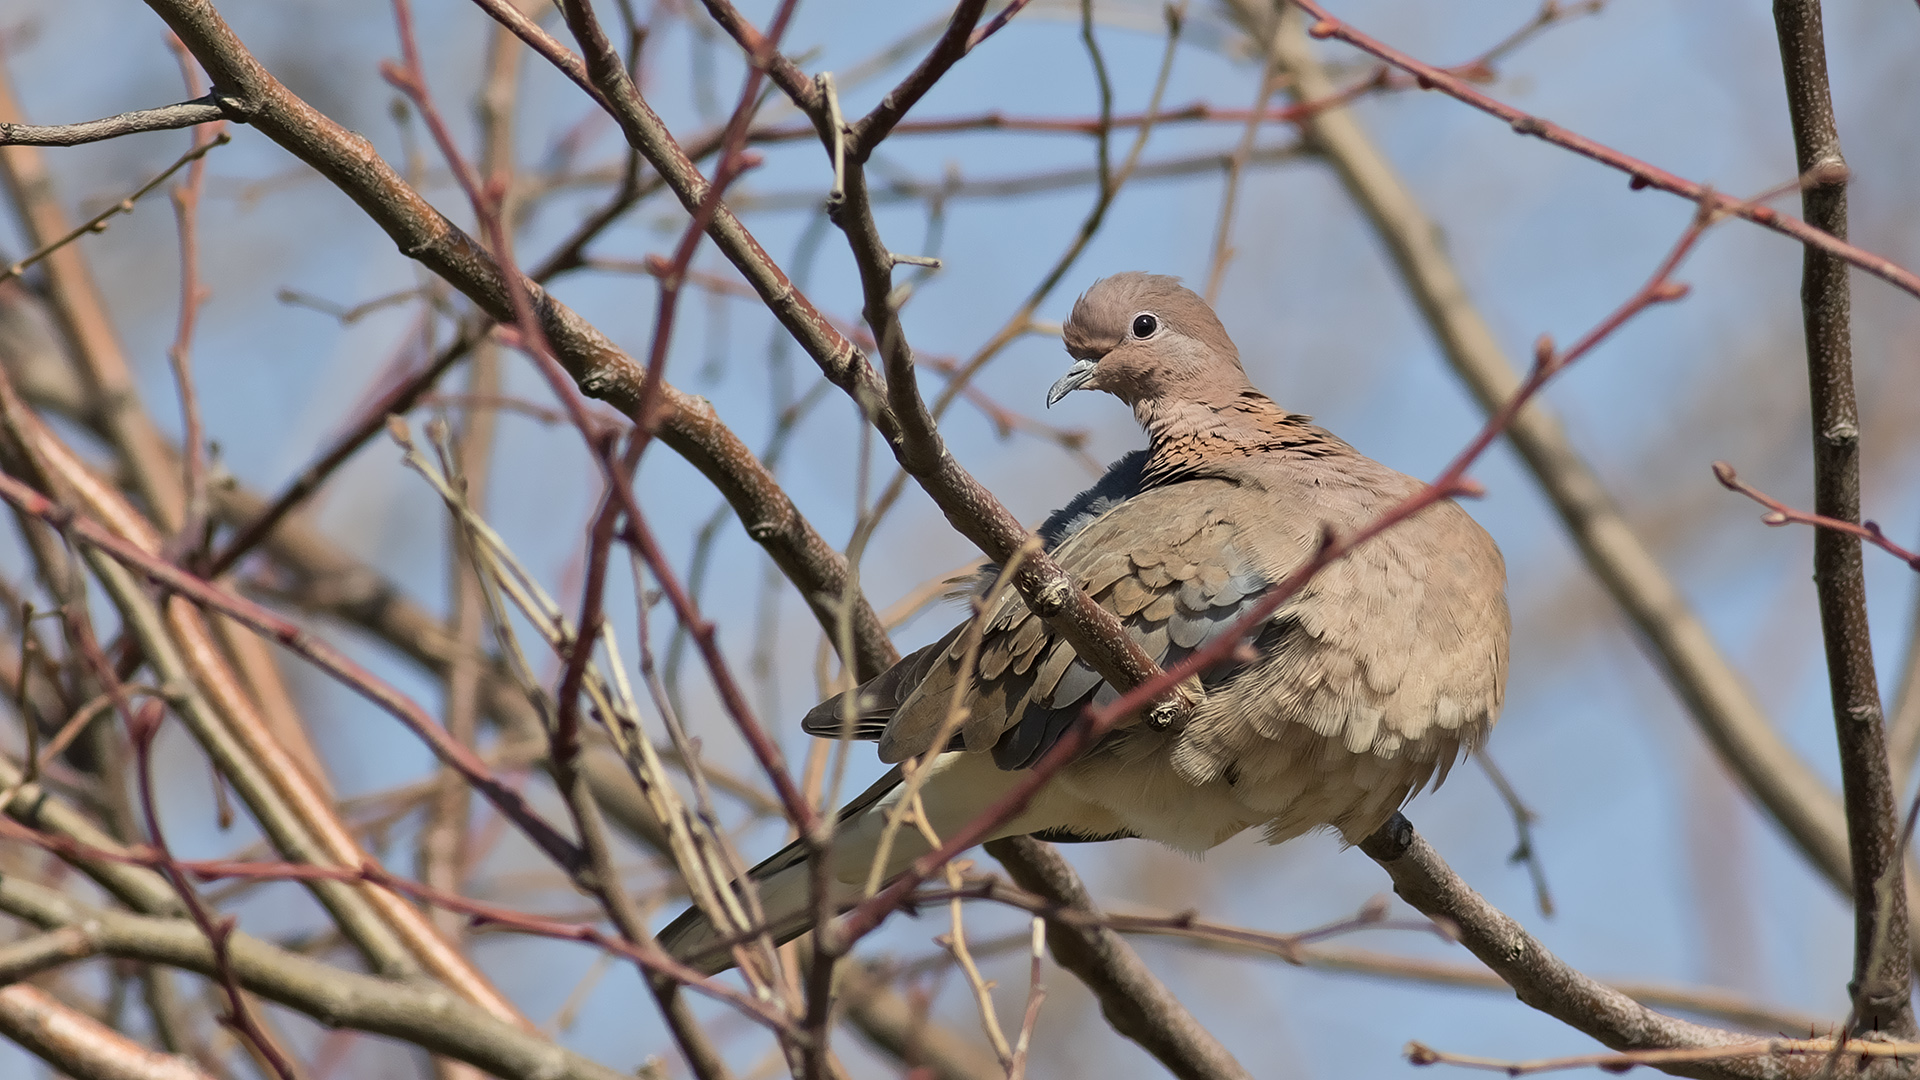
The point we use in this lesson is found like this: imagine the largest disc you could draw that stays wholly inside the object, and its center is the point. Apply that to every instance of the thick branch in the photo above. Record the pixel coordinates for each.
(1882, 971)
(78, 1045)
(954, 44)
(1541, 979)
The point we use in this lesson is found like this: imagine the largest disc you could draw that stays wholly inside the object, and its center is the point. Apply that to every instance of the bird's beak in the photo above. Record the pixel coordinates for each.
(1076, 377)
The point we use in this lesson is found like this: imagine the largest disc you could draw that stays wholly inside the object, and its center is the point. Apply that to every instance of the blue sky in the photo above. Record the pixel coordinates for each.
(1660, 868)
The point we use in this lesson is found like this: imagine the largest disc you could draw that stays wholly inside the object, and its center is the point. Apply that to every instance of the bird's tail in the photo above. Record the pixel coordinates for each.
(784, 886)
(960, 787)
(783, 883)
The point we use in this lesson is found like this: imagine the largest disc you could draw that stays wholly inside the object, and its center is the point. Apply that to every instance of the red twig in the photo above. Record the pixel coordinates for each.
(658, 266)
(789, 78)
(508, 15)
(1643, 175)
(143, 724)
(1780, 513)
(733, 161)
(620, 498)
(372, 420)
(487, 198)
(186, 209)
(405, 396)
(593, 871)
(409, 77)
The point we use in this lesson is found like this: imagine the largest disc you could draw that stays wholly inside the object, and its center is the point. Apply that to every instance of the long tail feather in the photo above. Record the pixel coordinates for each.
(961, 786)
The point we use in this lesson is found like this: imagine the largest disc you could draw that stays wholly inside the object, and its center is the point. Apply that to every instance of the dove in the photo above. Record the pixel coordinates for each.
(1358, 691)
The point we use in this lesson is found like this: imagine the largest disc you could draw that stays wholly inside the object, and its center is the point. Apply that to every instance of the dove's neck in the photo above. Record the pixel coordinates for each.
(1185, 435)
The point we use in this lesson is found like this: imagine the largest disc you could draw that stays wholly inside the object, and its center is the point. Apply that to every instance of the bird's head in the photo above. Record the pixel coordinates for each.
(1144, 338)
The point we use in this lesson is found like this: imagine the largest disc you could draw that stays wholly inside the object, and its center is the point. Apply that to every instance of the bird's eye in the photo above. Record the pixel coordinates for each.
(1144, 325)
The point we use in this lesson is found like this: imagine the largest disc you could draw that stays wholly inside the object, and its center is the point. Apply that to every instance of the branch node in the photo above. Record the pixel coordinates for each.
(1841, 433)
(1050, 598)
(1162, 715)
(1830, 172)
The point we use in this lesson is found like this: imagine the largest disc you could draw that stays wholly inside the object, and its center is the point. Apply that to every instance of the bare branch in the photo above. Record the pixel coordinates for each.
(1779, 513)
(1674, 1061)
(78, 1045)
(1882, 985)
(201, 110)
(1542, 980)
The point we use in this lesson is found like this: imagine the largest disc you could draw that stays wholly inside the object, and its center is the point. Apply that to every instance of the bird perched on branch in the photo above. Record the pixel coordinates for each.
(1361, 688)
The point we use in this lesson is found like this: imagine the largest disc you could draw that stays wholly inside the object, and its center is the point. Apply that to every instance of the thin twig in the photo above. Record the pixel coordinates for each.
(1524, 850)
(205, 109)
(98, 222)
(186, 209)
(1862, 1049)
(1779, 513)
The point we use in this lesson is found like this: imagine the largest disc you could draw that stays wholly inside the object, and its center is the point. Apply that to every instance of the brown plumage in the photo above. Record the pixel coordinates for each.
(1369, 682)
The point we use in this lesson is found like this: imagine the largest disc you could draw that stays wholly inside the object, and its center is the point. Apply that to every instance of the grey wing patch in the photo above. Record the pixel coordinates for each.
(1164, 561)
(1210, 604)
(1033, 735)
(1075, 683)
(875, 700)
(1191, 596)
